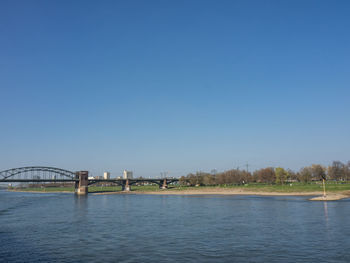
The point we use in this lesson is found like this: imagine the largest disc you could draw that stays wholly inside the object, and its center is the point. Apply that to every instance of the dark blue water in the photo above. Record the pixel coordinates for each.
(146, 228)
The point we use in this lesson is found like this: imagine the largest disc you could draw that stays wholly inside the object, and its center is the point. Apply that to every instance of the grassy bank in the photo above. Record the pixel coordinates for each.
(294, 187)
(41, 189)
(256, 187)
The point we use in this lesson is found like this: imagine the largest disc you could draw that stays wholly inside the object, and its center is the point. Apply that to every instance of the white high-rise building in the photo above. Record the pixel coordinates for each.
(106, 175)
(127, 174)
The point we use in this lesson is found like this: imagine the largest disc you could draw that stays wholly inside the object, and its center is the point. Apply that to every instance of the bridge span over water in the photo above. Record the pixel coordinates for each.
(42, 174)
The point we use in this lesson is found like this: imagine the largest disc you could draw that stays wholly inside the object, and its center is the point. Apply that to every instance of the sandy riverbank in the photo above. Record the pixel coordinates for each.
(318, 196)
(330, 197)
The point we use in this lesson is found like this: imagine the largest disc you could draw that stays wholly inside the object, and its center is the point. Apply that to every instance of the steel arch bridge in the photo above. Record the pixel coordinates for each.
(43, 174)
(37, 174)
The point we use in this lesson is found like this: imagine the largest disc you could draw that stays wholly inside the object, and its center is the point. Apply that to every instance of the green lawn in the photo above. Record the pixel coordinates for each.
(301, 187)
(286, 188)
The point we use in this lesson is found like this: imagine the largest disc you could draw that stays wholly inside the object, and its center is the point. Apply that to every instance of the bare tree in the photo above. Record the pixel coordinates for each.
(265, 175)
(337, 171)
(318, 172)
(305, 174)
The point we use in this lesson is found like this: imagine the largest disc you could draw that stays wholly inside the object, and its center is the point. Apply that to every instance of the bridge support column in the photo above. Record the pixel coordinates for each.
(126, 186)
(81, 187)
(164, 185)
(76, 183)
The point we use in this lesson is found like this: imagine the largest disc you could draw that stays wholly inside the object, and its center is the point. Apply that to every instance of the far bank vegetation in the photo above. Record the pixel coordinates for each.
(337, 171)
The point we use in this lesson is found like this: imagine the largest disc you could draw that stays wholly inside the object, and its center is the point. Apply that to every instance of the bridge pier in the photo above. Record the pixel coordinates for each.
(126, 186)
(81, 187)
(164, 185)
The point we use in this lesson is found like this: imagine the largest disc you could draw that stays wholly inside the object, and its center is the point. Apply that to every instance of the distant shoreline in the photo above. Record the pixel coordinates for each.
(39, 192)
(315, 195)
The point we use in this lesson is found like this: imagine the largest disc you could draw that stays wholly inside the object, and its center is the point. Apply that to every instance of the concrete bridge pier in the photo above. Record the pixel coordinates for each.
(126, 186)
(164, 185)
(81, 187)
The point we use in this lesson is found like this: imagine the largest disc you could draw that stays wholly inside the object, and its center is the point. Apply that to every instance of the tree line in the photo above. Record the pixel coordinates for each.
(337, 171)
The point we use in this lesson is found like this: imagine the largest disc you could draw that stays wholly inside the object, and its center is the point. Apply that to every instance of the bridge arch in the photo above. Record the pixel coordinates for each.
(31, 171)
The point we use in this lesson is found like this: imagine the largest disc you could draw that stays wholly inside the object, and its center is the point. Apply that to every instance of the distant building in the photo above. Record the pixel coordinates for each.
(106, 175)
(127, 174)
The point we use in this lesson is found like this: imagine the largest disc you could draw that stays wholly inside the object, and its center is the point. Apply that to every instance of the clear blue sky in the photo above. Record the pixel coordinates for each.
(176, 86)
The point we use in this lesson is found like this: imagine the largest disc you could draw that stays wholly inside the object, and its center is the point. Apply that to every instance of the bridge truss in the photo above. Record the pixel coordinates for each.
(157, 181)
(37, 174)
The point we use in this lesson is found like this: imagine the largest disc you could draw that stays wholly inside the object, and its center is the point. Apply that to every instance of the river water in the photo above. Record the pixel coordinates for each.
(145, 228)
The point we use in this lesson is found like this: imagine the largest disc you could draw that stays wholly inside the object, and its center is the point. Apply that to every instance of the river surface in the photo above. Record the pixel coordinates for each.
(147, 228)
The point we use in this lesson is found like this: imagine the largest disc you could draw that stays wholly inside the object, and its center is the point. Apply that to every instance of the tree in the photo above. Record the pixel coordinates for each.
(220, 178)
(192, 179)
(347, 171)
(183, 180)
(265, 175)
(199, 177)
(246, 177)
(281, 175)
(337, 171)
(318, 172)
(305, 175)
(209, 179)
(292, 175)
